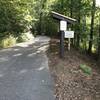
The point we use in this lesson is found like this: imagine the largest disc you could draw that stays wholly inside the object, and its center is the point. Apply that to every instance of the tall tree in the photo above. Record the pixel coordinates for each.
(79, 22)
(15, 16)
(92, 25)
(99, 39)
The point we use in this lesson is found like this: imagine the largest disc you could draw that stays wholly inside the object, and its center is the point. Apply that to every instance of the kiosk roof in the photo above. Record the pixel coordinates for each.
(59, 17)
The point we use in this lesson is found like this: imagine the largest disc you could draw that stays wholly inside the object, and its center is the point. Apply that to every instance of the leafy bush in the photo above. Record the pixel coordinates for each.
(24, 37)
(86, 69)
(8, 42)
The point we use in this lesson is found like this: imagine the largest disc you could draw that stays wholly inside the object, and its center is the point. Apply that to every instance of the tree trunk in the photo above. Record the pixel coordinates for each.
(79, 21)
(99, 41)
(92, 26)
(71, 8)
(42, 7)
(62, 6)
(84, 31)
(40, 24)
(78, 34)
(71, 15)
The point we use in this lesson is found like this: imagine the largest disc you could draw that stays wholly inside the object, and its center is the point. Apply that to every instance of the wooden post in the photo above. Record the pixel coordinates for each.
(69, 43)
(62, 44)
(63, 26)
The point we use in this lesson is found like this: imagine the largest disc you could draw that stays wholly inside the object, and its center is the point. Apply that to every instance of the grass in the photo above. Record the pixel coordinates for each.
(7, 42)
(11, 40)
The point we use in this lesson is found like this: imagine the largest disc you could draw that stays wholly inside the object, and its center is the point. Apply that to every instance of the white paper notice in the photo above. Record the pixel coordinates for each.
(69, 34)
(63, 25)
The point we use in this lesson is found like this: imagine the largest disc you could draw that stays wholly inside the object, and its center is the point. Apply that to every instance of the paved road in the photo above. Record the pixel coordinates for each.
(24, 72)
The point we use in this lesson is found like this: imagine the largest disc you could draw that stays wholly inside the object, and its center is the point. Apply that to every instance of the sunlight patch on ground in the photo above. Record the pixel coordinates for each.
(41, 68)
(43, 48)
(16, 49)
(42, 39)
(3, 59)
(23, 71)
(32, 54)
(16, 55)
(43, 81)
(1, 75)
(35, 46)
(39, 50)
(8, 49)
(25, 44)
(22, 45)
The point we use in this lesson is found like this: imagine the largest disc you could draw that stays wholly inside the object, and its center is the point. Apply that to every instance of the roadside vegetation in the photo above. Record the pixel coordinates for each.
(21, 16)
(77, 77)
(18, 17)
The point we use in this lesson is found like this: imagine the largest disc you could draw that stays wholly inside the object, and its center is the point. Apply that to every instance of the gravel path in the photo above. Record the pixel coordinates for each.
(24, 72)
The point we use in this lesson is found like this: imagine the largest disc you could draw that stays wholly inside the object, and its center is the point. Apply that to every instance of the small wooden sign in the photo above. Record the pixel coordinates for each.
(63, 25)
(69, 34)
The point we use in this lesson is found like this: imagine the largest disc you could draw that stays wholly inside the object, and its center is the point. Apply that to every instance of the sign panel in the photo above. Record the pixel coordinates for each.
(63, 25)
(69, 34)
(97, 3)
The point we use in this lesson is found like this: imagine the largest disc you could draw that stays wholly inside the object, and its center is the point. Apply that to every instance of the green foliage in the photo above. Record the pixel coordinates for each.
(8, 42)
(86, 69)
(15, 16)
(87, 24)
(24, 37)
(19, 16)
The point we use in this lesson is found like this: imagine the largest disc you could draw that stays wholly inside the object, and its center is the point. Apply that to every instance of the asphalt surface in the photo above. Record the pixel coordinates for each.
(24, 72)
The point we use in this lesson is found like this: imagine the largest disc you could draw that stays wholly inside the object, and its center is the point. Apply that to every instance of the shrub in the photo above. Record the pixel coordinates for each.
(86, 69)
(24, 37)
(21, 38)
(8, 42)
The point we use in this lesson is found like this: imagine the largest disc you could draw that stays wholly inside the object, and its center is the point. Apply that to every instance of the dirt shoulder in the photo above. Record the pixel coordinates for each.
(71, 83)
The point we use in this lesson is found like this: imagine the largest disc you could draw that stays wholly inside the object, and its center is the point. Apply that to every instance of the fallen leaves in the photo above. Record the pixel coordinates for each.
(70, 81)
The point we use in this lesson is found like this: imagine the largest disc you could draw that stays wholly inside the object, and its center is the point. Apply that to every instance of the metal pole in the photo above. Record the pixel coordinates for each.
(62, 44)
